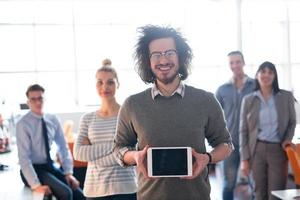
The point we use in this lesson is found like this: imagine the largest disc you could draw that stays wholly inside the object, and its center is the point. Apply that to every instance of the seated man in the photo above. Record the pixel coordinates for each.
(35, 133)
(4, 136)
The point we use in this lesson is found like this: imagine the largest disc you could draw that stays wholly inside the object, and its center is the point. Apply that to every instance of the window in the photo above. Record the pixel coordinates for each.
(60, 44)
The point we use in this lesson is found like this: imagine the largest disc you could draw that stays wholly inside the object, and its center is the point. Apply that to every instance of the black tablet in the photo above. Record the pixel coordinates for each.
(169, 162)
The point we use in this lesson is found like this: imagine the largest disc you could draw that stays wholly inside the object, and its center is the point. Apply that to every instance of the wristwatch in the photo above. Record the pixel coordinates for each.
(209, 157)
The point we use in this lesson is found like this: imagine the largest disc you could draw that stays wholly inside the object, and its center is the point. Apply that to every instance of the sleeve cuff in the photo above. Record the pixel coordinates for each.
(120, 155)
(33, 187)
(68, 172)
(229, 144)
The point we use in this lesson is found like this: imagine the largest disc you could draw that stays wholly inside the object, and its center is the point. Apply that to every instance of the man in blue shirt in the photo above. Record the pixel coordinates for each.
(230, 96)
(35, 132)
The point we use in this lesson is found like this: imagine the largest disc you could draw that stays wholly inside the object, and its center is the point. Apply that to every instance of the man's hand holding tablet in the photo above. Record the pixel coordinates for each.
(169, 162)
(155, 162)
(201, 161)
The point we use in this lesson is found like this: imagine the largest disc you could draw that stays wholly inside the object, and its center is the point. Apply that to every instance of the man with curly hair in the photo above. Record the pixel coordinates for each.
(170, 114)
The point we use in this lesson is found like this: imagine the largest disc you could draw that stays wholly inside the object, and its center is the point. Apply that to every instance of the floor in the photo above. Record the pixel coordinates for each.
(242, 191)
(12, 188)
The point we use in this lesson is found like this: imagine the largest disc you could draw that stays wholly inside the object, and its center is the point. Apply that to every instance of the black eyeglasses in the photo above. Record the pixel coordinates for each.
(169, 54)
(36, 99)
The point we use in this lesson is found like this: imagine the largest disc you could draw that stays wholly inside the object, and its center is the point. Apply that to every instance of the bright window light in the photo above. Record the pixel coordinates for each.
(61, 44)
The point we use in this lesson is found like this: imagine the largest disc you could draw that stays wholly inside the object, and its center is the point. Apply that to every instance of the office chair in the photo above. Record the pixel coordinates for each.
(294, 160)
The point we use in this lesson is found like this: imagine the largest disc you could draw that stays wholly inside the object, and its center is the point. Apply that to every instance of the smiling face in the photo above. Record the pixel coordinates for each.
(236, 64)
(106, 84)
(265, 77)
(165, 67)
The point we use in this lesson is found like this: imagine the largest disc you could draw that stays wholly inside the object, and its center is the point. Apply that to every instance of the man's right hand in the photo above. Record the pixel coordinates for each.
(45, 189)
(141, 161)
(245, 167)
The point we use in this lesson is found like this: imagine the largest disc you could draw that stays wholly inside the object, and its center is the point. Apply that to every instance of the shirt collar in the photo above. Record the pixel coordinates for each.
(35, 115)
(258, 94)
(245, 79)
(180, 90)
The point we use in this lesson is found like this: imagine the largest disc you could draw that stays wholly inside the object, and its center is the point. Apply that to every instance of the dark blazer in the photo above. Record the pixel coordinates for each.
(249, 120)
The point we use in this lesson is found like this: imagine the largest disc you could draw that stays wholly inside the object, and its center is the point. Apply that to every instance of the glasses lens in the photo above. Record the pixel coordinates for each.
(40, 99)
(170, 53)
(155, 56)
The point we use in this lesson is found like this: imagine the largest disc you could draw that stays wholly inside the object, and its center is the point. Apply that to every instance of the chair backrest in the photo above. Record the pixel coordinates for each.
(294, 159)
(298, 148)
(68, 130)
(76, 163)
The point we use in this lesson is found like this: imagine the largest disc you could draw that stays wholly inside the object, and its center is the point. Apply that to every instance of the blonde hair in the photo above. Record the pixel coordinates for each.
(106, 67)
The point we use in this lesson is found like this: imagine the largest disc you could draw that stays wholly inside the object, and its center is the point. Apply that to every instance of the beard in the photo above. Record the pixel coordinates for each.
(167, 80)
(164, 78)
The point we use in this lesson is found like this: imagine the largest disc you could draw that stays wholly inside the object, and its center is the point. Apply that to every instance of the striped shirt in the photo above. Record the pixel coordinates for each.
(104, 176)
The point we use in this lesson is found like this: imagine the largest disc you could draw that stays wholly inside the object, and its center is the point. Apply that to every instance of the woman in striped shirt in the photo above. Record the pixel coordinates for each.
(105, 179)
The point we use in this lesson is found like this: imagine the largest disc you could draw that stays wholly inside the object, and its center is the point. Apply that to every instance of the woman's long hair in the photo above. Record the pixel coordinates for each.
(270, 66)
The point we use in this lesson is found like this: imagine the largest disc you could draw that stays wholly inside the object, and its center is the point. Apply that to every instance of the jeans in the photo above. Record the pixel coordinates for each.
(55, 179)
(230, 168)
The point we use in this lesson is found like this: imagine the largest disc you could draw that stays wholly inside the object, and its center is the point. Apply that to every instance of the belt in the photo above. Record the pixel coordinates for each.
(267, 142)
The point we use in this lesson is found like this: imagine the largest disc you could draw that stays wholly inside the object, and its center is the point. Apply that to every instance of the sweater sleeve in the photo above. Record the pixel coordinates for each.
(216, 130)
(125, 138)
(91, 152)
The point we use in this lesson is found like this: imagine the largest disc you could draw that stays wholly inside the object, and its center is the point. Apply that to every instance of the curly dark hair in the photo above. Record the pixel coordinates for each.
(149, 33)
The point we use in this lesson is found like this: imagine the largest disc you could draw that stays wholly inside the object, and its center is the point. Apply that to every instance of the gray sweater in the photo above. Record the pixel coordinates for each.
(166, 122)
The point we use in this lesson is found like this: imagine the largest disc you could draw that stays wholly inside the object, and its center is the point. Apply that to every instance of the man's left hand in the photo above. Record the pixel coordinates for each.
(72, 181)
(201, 161)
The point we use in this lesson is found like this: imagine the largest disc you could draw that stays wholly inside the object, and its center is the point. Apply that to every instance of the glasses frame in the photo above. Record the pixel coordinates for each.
(156, 55)
(36, 99)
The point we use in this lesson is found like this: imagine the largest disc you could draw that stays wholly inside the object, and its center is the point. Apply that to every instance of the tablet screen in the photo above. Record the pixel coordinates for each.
(167, 162)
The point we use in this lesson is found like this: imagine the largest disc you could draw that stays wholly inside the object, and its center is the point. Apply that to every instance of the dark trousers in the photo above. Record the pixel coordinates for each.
(79, 174)
(270, 169)
(116, 197)
(55, 179)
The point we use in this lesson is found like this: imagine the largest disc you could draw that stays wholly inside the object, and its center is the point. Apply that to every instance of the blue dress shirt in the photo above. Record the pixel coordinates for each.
(31, 145)
(231, 99)
(268, 123)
